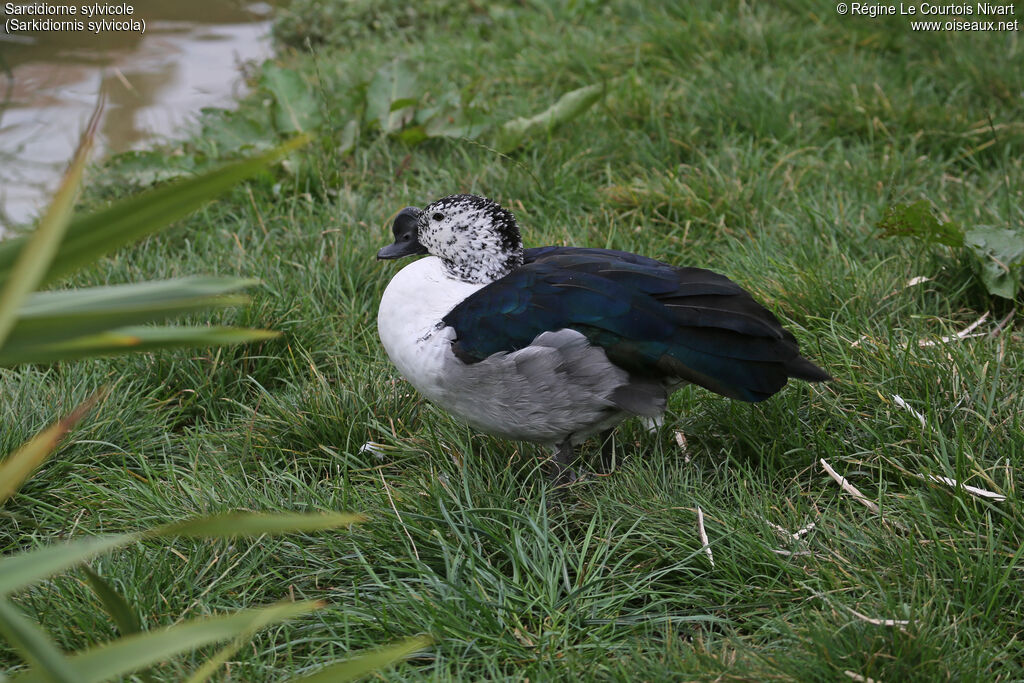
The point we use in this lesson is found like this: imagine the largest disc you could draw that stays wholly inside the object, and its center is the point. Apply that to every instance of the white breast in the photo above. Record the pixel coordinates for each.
(410, 312)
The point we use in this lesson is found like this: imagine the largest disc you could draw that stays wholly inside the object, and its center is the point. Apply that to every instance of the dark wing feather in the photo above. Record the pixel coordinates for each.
(653, 319)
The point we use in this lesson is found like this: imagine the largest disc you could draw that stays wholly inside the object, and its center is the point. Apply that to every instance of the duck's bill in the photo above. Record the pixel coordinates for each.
(400, 249)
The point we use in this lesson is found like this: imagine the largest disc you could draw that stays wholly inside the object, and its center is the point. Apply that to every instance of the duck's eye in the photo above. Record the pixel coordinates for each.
(438, 217)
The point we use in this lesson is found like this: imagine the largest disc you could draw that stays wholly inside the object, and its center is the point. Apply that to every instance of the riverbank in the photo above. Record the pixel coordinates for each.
(190, 55)
(764, 142)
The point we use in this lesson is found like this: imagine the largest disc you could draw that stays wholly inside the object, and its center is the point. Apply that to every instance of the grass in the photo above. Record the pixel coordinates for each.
(763, 141)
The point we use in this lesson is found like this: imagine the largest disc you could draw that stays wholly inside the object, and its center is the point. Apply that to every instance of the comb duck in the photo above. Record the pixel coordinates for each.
(554, 345)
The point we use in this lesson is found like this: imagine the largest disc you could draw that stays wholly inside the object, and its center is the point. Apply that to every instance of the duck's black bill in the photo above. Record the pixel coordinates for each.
(400, 249)
(406, 236)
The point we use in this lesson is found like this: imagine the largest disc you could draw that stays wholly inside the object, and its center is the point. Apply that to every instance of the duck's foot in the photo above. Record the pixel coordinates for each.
(561, 476)
(560, 473)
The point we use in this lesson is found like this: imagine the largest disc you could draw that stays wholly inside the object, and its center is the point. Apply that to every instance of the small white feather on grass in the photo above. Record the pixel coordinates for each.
(973, 490)
(858, 677)
(373, 447)
(704, 536)
(681, 441)
(906, 406)
(786, 534)
(803, 532)
(914, 281)
(863, 338)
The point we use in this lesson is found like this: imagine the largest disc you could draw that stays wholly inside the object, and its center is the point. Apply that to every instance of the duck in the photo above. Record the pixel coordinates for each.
(554, 345)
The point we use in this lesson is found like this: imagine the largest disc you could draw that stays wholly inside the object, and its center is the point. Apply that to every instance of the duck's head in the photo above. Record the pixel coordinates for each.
(476, 239)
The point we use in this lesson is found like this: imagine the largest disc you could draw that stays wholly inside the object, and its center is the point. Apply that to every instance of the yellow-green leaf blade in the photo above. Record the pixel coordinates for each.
(42, 245)
(214, 663)
(133, 340)
(113, 602)
(211, 665)
(20, 465)
(22, 569)
(142, 650)
(361, 665)
(233, 524)
(51, 317)
(25, 568)
(34, 645)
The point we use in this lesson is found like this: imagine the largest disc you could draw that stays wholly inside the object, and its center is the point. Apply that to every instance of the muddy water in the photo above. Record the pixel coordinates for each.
(159, 62)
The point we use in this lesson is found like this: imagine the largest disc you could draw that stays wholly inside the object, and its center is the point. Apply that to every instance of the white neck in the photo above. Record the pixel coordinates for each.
(412, 307)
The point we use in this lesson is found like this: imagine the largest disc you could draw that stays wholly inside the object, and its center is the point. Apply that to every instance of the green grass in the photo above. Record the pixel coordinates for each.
(760, 140)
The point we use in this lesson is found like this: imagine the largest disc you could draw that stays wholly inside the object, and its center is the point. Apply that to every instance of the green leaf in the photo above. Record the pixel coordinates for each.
(412, 135)
(296, 109)
(93, 235)
(22, 569)
(568, 107)
(458, 123)
(49, 317)
(20, 465)
(35, 646)
(211, 665)
(40, 247)
(228, 131)
(393, 84)
(233, 524)
(916, 220)
(453, 117)
(133, 340)
(1002, 259)
(27, 567)
(149, 167)
(142, 650)
(113, 602)
(402, 103)
(367, 663)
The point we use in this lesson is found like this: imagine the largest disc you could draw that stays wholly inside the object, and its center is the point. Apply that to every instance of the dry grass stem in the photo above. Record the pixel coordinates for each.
(792, 553)
(704, 536)
(849, 488)
(973, 490)
(962, 334)
(878, 622)
(387, 490)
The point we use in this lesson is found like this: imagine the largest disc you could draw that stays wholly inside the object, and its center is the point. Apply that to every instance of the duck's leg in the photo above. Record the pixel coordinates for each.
(561, 474)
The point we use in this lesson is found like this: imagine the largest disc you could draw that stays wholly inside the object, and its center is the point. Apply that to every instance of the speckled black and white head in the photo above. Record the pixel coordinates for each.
(476, 239)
